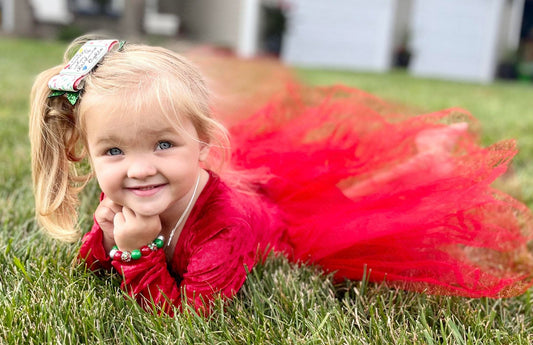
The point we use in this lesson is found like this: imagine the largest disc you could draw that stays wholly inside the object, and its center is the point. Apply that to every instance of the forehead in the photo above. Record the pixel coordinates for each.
(129, 120)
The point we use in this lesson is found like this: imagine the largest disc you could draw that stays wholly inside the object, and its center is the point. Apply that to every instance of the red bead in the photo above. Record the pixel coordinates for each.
(145, 250)
(118, 255)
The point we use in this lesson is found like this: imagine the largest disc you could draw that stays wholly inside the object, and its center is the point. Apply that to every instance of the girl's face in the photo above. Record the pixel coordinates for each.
(141, 161)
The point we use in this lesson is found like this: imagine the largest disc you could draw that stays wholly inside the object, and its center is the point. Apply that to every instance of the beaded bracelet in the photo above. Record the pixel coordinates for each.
(136, 254)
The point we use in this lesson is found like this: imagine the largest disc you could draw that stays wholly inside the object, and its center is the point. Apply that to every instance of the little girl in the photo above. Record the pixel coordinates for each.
(325, 176)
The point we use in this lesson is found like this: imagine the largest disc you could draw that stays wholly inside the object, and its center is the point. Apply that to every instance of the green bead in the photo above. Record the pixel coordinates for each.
(159, 242)
(136, 254)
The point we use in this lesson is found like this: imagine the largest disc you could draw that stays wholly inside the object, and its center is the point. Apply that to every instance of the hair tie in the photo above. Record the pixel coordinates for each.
(71, 78)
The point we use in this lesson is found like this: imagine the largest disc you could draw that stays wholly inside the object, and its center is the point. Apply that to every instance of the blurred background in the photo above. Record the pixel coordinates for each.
(464, 40)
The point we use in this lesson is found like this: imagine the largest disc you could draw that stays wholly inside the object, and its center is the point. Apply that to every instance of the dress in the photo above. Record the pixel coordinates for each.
(333, 177)
(223, 237)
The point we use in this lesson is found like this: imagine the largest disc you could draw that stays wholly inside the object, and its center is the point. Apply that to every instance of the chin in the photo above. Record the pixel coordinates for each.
(148, 213)
(145, 211)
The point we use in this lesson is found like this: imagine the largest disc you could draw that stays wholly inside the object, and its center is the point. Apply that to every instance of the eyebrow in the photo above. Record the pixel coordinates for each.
(114, 139)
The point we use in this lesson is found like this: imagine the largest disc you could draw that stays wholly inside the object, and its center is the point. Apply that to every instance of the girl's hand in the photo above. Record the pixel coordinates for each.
(132, 231)
(104, 216)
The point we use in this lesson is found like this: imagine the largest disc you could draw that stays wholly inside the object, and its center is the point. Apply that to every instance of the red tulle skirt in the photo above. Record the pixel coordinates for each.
(405, 200)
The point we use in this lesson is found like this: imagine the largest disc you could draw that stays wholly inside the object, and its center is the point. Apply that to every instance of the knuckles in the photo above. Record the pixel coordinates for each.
(128, 229)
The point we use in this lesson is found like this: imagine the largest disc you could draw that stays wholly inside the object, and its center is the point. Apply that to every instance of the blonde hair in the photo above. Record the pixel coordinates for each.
(132, 76)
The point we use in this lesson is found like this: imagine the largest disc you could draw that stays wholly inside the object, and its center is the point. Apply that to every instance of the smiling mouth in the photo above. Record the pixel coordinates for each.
(146, 187)
(146, 190)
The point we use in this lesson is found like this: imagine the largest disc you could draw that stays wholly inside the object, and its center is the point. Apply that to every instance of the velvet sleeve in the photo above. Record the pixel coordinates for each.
(92, 249)
(215, 266)
(219, 263)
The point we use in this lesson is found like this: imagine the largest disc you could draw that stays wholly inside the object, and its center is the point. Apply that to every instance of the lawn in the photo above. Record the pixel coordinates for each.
(46, 299)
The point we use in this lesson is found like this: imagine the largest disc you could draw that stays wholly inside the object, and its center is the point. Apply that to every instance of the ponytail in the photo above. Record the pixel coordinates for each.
(55, 135)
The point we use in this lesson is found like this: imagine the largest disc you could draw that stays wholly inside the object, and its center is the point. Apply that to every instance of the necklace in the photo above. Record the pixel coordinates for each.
(182, 217)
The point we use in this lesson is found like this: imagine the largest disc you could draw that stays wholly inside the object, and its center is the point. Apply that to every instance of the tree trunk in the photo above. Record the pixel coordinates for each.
(132, 22)
(24, 22)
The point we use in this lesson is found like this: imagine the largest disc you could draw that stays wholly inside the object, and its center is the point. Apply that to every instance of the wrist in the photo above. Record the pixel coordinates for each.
(127, 241)
(107, 242)
(128, 255)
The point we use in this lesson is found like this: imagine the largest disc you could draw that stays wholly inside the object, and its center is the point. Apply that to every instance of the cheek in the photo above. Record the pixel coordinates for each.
(108, 178)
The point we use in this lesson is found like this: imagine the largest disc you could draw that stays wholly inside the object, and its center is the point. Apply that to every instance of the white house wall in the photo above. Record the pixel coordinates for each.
(247, 45)
(45, 11)
(356, 34)
(456, 39)
(8, 15)
(52, 11)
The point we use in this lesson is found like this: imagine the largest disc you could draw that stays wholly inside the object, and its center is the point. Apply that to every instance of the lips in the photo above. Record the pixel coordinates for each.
(145, 191)
(146, 188)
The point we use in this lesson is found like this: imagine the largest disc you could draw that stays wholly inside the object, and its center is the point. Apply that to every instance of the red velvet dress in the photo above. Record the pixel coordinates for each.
(333, 177)
(223, 237)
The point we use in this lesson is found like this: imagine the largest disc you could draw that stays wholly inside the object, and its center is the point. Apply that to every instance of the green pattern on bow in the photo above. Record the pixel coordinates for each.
(71, 96)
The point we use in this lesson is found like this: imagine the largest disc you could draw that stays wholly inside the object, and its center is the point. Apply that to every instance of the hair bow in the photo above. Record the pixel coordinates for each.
(70, 80)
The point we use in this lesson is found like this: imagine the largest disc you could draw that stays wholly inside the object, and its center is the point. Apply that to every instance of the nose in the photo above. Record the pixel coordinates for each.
(140, 168)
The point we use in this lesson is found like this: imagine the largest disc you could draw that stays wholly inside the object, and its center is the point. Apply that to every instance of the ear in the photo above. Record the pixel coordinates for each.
(204, 152)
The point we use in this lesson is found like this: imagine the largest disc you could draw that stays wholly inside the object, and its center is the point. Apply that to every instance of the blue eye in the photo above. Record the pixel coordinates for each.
(164, 145)
(114, 151)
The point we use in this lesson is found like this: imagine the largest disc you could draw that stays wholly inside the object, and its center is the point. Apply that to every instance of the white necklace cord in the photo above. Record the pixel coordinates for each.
(182, 217)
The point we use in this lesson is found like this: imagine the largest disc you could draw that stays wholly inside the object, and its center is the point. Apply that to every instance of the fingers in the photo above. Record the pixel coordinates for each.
(103, 214)
(106, 210)
(128, 213)
(106, 202)
(132, 230)
(123, 217)
(118, 221)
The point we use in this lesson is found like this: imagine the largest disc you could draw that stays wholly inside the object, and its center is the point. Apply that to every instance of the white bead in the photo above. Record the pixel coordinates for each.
(112, 253)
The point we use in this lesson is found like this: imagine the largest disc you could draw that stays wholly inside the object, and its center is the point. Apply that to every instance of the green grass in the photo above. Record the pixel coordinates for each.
(45, 299)
(504, 109)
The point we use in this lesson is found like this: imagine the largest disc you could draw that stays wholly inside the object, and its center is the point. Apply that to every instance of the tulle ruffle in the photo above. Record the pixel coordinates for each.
(366, 190)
